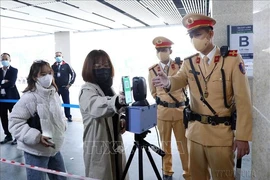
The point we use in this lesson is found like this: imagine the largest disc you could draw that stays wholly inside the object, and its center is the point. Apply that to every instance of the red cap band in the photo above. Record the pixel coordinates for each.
(164, 44)
(200, 23)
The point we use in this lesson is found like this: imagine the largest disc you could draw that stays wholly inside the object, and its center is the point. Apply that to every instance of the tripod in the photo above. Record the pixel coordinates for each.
(141, 144)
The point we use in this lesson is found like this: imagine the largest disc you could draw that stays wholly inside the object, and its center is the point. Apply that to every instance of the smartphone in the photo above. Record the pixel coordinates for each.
(51, 142)
(127, 89)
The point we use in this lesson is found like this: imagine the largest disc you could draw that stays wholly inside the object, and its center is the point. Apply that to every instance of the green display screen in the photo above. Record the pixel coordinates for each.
(127, 89)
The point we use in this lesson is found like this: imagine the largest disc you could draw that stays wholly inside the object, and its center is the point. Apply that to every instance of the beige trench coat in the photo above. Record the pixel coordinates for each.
(98, 136)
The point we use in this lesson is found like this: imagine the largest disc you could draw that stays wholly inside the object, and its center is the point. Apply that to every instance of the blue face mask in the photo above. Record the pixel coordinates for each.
(58, 59)
(5, 63)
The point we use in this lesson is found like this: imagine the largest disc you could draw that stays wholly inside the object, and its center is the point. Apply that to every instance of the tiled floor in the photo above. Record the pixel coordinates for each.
(72, 152)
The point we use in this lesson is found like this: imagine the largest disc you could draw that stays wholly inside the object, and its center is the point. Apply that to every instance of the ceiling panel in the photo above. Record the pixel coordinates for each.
(10, 32)
(8, 4)
(79, 24)
(7, 22)
(196, 6)
(105, 11)
(19, 16)
(165, 10)
(35, 17)
(136, 9)
(78, 13)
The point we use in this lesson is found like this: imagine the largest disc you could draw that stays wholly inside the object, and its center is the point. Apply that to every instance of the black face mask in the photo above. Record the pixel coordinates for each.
(104, 78)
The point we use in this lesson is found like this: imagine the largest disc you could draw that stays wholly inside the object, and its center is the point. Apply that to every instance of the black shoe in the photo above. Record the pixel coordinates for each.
(69, 119)
(14, 142)
(167, 177)
(7, 139)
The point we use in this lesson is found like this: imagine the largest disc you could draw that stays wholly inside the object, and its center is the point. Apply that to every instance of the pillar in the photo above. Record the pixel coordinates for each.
(63, 42)
(261, 89)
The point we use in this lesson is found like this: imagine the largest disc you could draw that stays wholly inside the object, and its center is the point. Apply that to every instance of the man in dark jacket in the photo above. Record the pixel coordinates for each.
(8, 90)
(64, 77)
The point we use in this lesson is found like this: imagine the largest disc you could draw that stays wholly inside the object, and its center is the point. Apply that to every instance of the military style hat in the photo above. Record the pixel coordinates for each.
(161, 42)
(193, 21)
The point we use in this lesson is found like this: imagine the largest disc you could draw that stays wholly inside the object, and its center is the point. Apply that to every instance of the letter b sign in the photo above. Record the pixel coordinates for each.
(243, 41)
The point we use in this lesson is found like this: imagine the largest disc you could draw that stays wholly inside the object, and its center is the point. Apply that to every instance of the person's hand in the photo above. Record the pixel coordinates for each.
(242, 148)
(122, 126)
(161, 80)
(46, 141)
(121, 98)
(68, 86)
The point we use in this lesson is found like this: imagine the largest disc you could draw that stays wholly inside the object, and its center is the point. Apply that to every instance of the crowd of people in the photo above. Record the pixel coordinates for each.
(205, 130)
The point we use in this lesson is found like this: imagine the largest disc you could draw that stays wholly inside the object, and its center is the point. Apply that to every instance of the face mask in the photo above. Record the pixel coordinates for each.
(45, 81)
(58, 59)
(163, 56)
(104, 78)
(5, 63)
(200, 44)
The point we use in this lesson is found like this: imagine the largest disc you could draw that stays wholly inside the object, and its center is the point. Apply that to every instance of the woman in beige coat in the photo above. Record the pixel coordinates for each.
(104, 155)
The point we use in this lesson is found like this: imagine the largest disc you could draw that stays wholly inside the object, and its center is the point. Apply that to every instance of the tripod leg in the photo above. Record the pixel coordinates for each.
(140, 162)
(152, 162)
(129, 161)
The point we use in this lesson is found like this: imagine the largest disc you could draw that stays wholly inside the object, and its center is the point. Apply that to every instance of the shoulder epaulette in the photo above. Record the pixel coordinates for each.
(232, 53)
(192, 56)
(152, 67)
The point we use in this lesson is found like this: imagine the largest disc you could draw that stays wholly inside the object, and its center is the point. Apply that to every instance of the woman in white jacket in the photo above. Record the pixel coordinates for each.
(104, 155)
(41, 148)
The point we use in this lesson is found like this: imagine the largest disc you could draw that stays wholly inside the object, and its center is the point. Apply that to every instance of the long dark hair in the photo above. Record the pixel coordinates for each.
(34, 70)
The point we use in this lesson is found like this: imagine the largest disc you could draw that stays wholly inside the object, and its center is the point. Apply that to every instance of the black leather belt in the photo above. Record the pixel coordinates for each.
(213, 120)
(171, 105)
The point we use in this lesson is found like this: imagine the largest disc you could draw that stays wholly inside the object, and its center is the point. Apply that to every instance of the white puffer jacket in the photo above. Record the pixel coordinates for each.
(47, 104)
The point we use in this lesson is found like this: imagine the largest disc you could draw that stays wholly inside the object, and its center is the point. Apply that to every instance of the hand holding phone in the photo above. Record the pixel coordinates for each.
(47, 141)
(122, 98)
(50, 142)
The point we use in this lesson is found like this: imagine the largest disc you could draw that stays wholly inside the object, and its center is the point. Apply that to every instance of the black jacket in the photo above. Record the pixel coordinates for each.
(67, 74)
(10, 87)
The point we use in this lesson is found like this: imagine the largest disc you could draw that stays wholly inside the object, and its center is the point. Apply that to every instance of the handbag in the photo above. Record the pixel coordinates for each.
(34, 122)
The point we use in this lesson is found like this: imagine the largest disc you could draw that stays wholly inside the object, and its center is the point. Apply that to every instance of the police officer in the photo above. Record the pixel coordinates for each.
(214, 96)
(64, 77)
(170, 109)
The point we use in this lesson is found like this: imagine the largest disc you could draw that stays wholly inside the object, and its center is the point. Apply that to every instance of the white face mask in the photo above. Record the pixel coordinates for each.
(163, 56)
(45, 81)
(200, 44)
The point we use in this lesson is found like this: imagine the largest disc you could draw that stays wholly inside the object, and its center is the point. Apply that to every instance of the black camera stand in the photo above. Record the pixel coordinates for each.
(141, 144)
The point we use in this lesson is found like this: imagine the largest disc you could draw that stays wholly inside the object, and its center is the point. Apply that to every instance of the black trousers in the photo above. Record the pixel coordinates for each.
(4, 108)
(64, 93)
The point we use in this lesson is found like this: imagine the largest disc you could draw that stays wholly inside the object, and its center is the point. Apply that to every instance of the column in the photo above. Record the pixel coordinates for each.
(63, 42)
(234, 12)
(261, 89)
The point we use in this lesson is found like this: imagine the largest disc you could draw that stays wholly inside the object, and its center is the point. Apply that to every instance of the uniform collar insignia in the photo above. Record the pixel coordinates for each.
(216, 59)
(198, 60)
